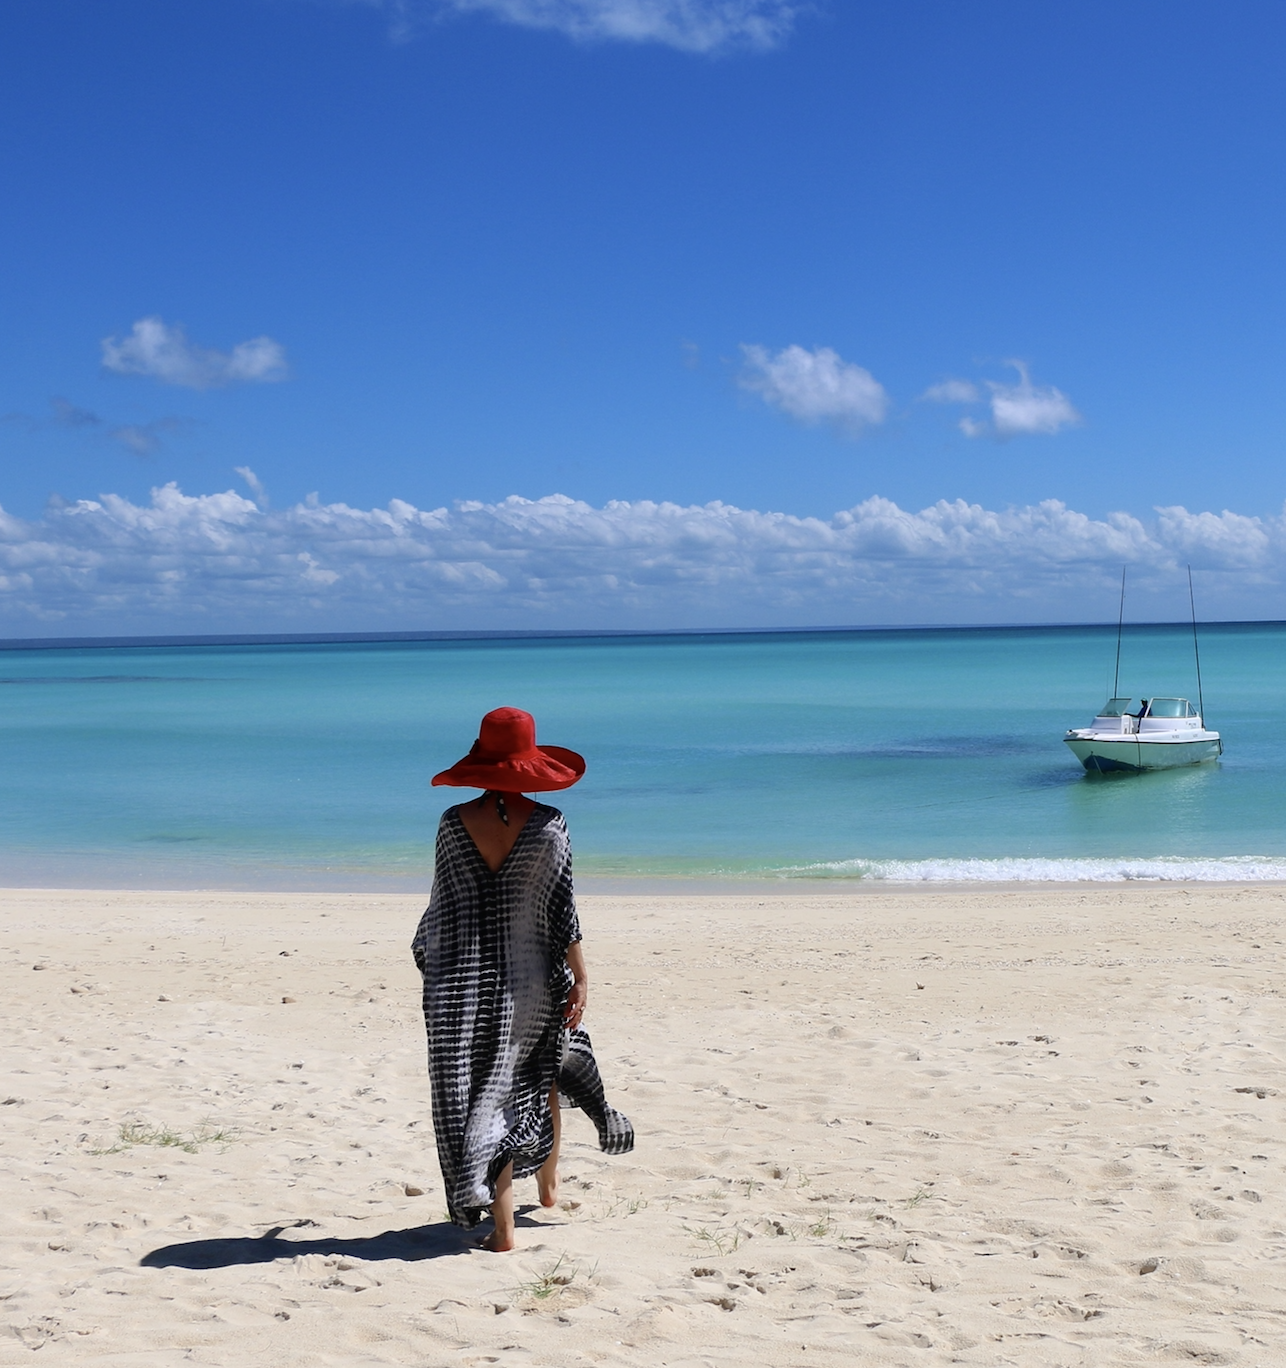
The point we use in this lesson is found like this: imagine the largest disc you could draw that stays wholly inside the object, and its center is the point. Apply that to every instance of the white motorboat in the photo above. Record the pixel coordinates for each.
(1160, 733)
(1152, 734)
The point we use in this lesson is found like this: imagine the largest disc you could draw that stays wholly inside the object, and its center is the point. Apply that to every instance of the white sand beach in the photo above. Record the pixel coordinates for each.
(1019, 1125)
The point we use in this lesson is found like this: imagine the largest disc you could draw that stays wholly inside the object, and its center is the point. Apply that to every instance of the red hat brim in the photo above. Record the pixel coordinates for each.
(549, 769)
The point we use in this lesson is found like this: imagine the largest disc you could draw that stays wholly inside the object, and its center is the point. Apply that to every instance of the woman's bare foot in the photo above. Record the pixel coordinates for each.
(502, 1240)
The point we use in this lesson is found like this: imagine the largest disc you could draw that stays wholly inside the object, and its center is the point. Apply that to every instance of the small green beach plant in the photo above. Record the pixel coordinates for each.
(822, 1226)
(630, 1206)
(131, 1133)
(721, 1241)
(550, 1283)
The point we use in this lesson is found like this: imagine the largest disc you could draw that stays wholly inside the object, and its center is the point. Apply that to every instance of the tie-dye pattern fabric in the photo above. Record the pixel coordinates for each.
(492, 948)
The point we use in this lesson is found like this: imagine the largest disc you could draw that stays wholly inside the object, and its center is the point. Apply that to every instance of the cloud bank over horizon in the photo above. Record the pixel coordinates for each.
(223, 562)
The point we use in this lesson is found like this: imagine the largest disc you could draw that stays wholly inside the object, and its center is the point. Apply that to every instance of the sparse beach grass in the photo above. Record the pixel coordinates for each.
(132, 1133)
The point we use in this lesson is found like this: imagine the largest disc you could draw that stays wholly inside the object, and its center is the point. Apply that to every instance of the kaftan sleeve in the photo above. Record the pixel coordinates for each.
(426, 932)
(564, 924)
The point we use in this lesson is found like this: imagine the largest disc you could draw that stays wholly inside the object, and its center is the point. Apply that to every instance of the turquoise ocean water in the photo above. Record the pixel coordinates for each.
(903, 755)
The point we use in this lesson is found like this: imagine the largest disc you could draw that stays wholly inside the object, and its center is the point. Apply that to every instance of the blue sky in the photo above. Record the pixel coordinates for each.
(665, 251)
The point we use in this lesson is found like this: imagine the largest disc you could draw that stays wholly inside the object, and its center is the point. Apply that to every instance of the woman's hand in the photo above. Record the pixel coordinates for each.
(574, 1007)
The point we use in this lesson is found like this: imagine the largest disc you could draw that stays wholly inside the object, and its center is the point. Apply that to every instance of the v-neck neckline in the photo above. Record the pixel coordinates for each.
(473, 845)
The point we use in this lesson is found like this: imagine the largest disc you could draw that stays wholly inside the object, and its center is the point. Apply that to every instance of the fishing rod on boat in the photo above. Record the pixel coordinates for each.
(1120, 619)
(1196, 652)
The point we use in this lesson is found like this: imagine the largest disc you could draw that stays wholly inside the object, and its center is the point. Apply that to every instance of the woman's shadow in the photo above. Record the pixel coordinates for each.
(418, 1242)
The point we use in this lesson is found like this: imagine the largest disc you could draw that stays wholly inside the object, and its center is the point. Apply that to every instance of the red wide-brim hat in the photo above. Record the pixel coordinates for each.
(506, 757)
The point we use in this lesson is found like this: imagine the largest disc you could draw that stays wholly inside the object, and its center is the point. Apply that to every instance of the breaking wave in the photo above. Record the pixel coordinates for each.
(1162, 868)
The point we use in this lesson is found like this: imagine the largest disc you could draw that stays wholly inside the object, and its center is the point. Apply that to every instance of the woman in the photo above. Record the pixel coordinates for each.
(504, 980)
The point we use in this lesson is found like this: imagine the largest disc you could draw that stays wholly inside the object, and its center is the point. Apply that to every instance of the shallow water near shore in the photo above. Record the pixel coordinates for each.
(884, 755)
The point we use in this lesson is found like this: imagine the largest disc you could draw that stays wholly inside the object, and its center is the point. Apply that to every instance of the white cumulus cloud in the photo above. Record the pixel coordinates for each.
(688, 25)
(815, 386)
(1025, 409)
(1018, 410)
(163, 352)
(222, 562)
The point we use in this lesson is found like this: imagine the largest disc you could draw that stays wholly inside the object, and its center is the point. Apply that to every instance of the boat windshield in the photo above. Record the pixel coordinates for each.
(1171, 707)
(1116, 707)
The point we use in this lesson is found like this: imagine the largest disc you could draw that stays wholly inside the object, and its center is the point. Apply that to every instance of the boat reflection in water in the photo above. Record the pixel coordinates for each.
(1161, 733)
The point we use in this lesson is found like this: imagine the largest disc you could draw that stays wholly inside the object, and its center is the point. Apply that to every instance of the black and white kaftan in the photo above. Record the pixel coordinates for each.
(492, 948)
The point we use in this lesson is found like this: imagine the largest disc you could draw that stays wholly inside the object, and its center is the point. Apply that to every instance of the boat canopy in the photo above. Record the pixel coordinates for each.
(1171, 707)
(1157, 707)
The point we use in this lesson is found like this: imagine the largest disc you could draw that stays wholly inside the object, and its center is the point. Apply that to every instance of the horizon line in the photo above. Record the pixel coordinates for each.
(568, 634)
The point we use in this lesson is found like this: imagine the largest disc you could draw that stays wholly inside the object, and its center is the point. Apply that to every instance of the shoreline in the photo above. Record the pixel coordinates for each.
(655, 886)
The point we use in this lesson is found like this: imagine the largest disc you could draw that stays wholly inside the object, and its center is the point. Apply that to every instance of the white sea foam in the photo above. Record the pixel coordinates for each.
(1215, 869)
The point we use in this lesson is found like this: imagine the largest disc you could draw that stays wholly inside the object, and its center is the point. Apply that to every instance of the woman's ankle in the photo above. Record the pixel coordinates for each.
(547, 1184)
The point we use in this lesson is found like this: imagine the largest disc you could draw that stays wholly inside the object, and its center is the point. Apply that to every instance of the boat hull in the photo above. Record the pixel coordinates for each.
(1103, 755)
